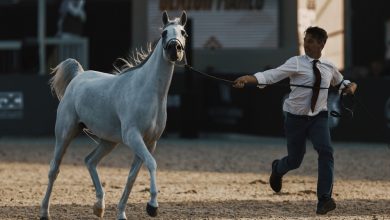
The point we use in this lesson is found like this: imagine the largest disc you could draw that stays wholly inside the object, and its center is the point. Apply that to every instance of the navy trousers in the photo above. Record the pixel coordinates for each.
(298, 128)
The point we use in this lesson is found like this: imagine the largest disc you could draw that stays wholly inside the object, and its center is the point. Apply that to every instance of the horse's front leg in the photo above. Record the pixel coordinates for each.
(152, 206)
(91, 161)
(143, 154)
(135, 167)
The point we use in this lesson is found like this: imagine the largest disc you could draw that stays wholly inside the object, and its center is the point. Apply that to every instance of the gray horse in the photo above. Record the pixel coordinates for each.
(128, 108)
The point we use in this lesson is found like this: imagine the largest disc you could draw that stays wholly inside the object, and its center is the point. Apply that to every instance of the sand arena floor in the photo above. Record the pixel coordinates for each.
(213, 177)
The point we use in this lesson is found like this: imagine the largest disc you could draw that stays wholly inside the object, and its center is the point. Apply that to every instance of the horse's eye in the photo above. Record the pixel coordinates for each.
(164, 33)
(183, 32)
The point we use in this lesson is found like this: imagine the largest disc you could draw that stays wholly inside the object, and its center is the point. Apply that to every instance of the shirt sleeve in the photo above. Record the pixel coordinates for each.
(338, 79)
(275, 75)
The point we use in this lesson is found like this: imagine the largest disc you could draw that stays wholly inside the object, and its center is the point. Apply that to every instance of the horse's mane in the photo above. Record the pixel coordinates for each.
(136, 60)
(139, 57)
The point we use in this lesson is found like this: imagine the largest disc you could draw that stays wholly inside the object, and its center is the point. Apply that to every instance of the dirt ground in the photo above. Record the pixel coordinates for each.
(213, 177)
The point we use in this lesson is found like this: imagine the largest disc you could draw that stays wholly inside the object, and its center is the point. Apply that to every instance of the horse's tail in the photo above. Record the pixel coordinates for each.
(63, 74)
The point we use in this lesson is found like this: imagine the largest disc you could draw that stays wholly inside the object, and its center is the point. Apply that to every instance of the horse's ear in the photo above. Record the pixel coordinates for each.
(165, 18)
(183, 18)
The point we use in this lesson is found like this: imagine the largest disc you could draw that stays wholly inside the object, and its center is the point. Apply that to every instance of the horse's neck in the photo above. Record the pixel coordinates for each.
(157, 72)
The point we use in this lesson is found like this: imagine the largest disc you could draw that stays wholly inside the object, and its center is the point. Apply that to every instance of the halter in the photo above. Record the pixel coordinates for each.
(172, 39)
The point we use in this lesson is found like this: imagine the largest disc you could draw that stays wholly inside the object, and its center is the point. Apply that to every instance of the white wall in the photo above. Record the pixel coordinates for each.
(238, 28)
(329, 15)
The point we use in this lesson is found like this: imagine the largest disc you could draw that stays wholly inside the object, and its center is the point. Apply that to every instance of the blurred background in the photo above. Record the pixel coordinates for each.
(228, 38)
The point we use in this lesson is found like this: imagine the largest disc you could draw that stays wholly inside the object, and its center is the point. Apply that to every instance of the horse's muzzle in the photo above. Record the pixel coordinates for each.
(174, 49)
(174, 44)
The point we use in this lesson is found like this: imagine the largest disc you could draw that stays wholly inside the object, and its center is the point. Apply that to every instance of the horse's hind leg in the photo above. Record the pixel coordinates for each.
(63, 139)
(91, 161)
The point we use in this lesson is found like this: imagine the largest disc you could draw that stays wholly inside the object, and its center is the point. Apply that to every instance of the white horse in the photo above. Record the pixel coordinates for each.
(128, 108)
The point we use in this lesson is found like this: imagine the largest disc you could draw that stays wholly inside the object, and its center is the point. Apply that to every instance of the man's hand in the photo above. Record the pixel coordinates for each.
(241, 81)
(350, 89)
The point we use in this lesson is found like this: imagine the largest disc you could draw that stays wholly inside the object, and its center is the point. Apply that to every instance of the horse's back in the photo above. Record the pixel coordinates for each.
(91, 76)
(89, 80)
(93, 89)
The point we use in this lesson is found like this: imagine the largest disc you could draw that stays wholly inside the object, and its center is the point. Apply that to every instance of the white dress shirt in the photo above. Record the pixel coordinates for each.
(300, 71)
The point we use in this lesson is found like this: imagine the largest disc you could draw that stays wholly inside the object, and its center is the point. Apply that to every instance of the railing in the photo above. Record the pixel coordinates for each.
(64, 48)
(10, 56)
(58, 49)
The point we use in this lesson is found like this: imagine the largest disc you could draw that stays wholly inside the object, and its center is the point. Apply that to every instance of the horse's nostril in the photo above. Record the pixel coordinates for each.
(174, 45)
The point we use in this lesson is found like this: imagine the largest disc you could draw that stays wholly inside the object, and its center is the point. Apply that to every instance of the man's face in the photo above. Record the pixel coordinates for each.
(312, 46)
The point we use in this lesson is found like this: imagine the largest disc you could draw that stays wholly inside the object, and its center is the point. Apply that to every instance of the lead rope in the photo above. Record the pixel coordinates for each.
(189, 67)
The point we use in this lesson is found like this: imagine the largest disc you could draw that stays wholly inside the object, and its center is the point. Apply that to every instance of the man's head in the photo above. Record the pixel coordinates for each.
(314, 41)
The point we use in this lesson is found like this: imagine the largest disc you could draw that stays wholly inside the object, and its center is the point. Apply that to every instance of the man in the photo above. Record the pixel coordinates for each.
(306, 110)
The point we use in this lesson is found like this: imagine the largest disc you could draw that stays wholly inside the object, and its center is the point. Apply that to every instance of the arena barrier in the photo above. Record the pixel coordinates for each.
(28, 108)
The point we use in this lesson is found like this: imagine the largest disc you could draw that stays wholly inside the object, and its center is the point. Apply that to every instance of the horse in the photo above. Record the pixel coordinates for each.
(128, 108)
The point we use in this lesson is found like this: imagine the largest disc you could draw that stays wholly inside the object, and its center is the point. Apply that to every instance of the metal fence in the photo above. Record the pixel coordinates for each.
(56, 50)
(63, 48)
(10, 56)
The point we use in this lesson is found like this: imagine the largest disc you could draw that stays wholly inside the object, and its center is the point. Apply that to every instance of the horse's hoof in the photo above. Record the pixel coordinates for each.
(152, 211)
(98, 211)
(44, 218)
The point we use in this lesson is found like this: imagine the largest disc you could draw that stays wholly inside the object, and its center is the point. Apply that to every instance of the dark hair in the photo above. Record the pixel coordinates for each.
(317, 33)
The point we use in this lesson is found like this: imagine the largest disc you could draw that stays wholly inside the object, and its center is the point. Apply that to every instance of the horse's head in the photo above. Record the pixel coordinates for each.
(173, 37)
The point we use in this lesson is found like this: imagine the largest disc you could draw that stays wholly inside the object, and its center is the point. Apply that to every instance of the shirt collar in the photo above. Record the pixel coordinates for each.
(311, 59)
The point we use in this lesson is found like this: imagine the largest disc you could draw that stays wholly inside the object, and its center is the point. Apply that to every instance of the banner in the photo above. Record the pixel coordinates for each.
(222, 23)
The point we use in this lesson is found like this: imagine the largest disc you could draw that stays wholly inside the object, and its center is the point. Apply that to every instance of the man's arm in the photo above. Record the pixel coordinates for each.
(346, 86)
(269, 76)
(241, 81)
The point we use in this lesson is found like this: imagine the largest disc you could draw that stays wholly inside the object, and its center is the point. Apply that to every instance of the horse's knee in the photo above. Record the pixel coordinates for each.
(54, 169)
(150, 163)
(88, 162)
(53, 174)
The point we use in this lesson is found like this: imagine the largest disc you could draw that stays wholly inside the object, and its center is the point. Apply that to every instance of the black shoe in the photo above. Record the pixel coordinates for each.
(325, 206)
(275, 180)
